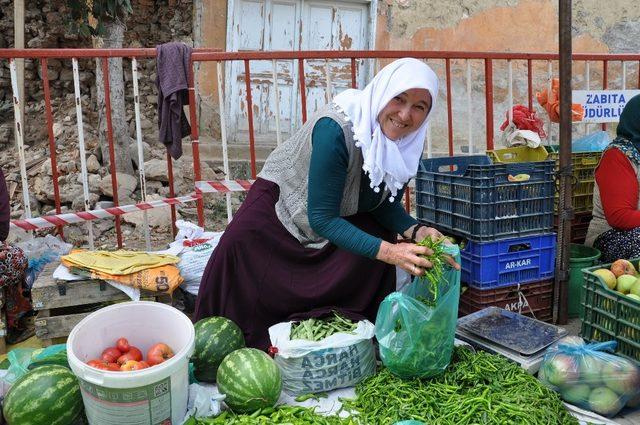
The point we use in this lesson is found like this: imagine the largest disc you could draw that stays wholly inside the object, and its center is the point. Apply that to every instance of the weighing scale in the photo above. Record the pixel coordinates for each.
(519, 338)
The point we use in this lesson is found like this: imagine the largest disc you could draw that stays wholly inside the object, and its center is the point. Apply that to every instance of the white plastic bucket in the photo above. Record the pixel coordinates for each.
(157, 395)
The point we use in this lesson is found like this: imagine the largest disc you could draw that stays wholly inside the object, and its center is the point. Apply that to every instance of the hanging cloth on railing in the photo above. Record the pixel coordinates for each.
(172, 82)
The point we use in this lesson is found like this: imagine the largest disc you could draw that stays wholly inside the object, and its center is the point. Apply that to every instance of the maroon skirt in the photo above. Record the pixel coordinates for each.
(260, 275)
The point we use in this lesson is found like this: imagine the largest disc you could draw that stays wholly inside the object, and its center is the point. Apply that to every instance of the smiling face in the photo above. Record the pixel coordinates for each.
(405, 113)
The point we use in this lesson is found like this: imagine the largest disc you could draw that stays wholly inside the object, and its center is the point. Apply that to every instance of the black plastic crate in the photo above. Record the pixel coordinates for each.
(472, 197)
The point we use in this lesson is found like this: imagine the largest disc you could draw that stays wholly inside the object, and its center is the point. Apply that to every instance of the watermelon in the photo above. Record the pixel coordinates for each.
(47, 395)
(215, 338)
(250, 379)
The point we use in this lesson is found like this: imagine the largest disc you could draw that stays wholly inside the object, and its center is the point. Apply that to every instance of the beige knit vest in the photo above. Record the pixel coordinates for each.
(599, 224)
(288, 167)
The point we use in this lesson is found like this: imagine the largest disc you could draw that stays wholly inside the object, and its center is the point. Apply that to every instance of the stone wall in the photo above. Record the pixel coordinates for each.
(152, 23)
(506, 26)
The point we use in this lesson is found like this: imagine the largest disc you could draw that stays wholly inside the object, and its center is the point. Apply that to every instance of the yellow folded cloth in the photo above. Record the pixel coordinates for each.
(119, 262)
(157, 279)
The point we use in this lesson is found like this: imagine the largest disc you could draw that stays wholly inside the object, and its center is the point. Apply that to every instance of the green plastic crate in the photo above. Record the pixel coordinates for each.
(518, 154)
(584, 166)
(608, 315)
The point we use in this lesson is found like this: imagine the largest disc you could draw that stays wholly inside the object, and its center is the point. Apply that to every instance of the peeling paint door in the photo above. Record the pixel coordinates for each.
(288, 25)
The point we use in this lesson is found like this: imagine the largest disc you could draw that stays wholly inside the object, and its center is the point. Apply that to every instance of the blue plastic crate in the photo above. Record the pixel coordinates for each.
(488, 265)
(471, 197)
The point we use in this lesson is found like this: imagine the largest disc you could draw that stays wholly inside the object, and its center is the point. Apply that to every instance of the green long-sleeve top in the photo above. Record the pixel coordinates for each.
(327, 175)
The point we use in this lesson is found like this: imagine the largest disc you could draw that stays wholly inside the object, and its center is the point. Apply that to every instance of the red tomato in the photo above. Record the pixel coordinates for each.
(111, 354)
(123, 345)
(103, 365)
(134, 353)
(158, 354)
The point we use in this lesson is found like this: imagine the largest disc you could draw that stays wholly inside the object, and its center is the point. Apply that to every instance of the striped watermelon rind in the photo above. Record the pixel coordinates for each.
(47, 395)
(250, 380)
(215, 338)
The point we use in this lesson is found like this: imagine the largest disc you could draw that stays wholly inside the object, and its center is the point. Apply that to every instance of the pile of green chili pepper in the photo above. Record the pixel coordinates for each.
(477, 388)
(290, 415)
(318, 329)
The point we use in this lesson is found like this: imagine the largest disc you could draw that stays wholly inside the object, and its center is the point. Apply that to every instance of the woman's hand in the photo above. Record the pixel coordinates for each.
(424, 232)
(407, 256)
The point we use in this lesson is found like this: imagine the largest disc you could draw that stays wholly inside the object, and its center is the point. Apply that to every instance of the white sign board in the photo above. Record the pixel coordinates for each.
(602, 105)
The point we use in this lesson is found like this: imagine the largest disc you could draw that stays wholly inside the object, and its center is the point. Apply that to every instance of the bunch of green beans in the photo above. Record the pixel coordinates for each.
(282, 415)
(477, 388)
(435, 273)
(318, 329)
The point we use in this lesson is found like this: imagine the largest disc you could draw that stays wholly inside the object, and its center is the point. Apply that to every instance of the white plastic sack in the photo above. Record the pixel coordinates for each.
(338, 361)
(194, 247)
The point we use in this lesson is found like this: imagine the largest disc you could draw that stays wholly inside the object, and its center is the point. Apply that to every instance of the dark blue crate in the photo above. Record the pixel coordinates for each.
(487, 265)
(471, 197)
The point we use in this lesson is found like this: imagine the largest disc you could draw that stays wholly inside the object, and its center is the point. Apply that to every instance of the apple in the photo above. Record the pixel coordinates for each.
(131, 365)
(110, 355)
(634, 297)
(159, 353)
(623, 377)
(134, 353)
(635, 289)
(607, 276)
(604, 401)
(561, 370)
(625, 283)
(123, 345)
(620, 267)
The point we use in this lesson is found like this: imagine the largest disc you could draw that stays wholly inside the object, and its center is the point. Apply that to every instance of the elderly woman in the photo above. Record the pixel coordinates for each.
(318, 229)
(615, 227)
(13, 264)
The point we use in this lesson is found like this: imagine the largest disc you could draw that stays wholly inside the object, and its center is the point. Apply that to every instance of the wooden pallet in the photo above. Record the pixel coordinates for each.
(62, 304)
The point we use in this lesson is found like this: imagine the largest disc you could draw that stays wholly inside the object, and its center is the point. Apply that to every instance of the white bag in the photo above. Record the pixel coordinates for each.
(337, 361)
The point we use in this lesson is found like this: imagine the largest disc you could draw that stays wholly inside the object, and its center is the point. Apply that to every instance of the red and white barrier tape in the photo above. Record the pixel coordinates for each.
(224, 186)
(79, 217)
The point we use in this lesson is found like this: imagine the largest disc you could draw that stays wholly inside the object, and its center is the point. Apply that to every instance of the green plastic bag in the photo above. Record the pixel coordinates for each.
(22, 360)
(416, 339)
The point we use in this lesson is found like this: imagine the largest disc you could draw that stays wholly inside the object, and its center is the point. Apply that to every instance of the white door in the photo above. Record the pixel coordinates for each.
(289, 25)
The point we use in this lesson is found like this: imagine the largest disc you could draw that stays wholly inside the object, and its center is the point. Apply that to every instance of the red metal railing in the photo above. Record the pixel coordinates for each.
(208, 55)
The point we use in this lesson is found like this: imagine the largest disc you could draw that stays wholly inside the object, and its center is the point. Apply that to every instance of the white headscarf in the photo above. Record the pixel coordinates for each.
(394, 162)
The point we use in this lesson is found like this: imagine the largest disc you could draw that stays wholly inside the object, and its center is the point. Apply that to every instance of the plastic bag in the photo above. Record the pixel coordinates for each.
(416, 340)
(337, 361)
(195, 248)
(40, 252)
(588, 377)
(594, 142)
(22, 360)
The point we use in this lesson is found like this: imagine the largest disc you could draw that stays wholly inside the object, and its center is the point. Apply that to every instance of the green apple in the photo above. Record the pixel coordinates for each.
(635, 289)
(625, 283)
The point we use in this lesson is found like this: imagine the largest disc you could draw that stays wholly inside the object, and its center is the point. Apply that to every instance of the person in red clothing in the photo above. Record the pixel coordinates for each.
(615, 226)
(13, 265)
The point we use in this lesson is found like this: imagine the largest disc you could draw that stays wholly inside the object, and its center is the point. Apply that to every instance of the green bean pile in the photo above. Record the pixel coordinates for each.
(318, 329)
(477, 388)
(289, 415)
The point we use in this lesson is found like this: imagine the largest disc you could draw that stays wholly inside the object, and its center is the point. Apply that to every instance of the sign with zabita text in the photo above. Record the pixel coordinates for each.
(602, 105)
